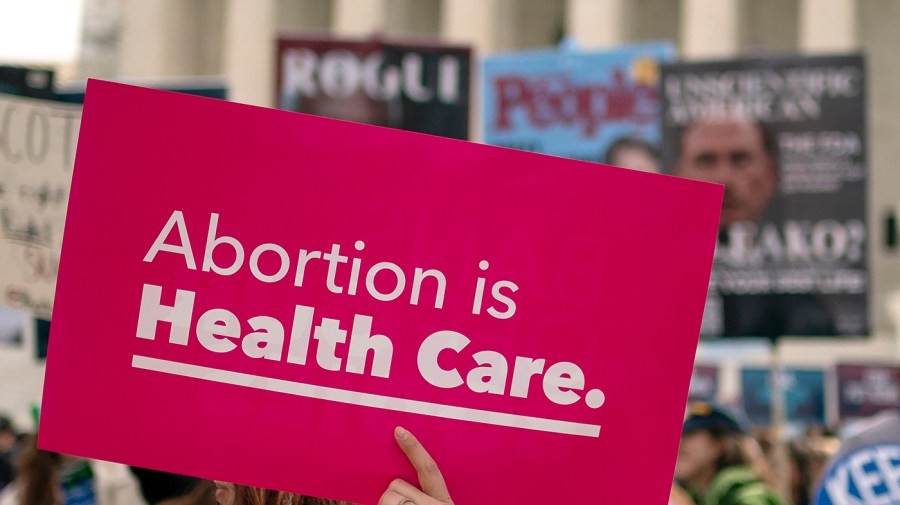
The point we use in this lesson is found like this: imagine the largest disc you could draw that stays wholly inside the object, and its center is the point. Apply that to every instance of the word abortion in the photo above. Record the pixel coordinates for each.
(337, 280)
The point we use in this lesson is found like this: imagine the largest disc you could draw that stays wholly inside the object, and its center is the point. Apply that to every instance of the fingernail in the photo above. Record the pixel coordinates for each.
(400, 432)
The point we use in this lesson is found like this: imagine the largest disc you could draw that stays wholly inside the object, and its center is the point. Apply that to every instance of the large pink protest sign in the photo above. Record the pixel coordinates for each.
(260, 297)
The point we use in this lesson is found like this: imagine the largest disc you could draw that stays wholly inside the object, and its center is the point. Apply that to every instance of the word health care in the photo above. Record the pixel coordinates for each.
(220, 330)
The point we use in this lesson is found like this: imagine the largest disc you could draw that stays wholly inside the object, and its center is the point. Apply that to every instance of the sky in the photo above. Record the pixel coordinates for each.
(39, 31)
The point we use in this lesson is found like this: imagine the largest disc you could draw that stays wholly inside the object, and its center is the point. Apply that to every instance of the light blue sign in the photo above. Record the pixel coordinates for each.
(869, 475)
(804, 395)
(573, 103)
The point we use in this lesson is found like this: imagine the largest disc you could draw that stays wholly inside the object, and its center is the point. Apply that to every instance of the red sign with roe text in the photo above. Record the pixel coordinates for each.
(260, 297)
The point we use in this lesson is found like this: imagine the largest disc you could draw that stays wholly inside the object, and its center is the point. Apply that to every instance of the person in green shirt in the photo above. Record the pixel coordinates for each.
(715, 464)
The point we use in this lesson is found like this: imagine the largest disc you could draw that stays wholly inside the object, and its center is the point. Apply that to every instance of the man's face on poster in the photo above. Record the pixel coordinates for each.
(733, 153)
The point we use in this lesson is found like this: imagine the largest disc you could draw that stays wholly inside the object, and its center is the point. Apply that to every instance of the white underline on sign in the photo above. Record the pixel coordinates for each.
(365, 399)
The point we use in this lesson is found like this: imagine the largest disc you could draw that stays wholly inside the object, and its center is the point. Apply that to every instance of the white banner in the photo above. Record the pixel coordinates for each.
(37, 153)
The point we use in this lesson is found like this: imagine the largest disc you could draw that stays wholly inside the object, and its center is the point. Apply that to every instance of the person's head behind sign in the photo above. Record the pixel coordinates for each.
(235, 494)
(716, 457)
(739, 153)
(634, 153)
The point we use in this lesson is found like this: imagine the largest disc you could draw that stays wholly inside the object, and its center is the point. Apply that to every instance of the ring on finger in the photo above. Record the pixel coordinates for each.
(404, 501)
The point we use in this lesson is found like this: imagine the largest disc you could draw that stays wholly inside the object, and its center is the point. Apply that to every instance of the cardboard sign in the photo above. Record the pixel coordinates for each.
(260, 297)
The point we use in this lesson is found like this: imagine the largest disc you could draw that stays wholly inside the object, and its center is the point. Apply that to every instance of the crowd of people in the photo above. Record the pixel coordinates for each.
(721, 461)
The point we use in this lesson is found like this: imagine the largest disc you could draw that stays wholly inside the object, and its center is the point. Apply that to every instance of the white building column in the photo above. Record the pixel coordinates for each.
(474, 23)
(597, 23)
(471, 22)
(828, 25)
(152, 43)
(250, 48)
(709, 28)
(358, 18)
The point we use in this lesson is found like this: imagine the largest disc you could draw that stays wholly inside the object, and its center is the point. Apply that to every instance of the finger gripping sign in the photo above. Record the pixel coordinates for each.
(260, 297)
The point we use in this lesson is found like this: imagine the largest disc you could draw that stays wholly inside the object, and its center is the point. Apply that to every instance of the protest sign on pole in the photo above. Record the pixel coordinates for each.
(787, 138)
(415, 87)
(865, 390)
(804, 395)
(275, 292)
(575, 103)
(704, 383)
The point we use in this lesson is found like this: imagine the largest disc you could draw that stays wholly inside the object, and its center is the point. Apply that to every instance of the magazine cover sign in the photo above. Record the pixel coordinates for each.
(588, 105)
(280, 291)
(786, 136)
(415, 87)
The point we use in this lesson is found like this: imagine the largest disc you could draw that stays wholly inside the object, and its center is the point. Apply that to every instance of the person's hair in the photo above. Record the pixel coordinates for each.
(246, 495)
(629, 143)
(39, 475)
(203, 493)
(6, 425)
(734, 453)
(802, 483)
(159, 486)
(739, 449)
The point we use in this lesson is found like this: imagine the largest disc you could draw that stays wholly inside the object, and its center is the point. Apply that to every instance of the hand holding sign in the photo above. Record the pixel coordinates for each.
(434, 489)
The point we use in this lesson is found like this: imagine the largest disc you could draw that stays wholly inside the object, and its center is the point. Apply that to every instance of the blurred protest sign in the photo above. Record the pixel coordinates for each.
(574, 103)
(787, 138)
(704, 383)
(804, 395)
(865, 390)
(208, 86)
(37, 151)
(422, 88)
(12, 326)
(27, 81)
(302, 314)
(865, 471)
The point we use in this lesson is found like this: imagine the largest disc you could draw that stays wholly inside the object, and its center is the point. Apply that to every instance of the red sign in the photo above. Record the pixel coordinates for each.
(260, 297)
